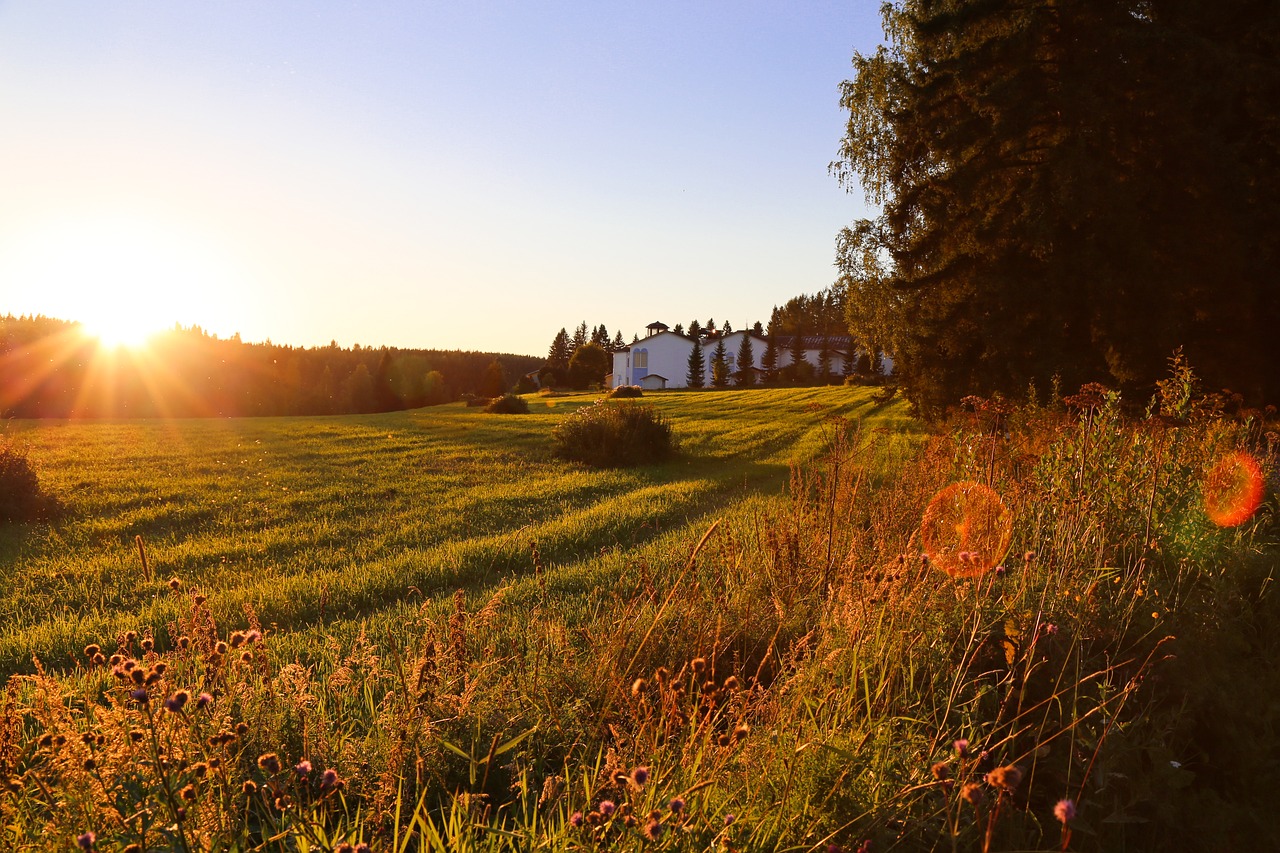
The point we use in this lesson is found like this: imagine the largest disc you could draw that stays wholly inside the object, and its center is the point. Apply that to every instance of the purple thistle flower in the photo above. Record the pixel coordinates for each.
(1065, 811)
(640, 775)
(138, 695)
(203, 701)
(329, 778)
(653, 829)
(962, 748)
(676, 805)
(607, 807)
(302, 768)
(86, 841)
(729, 819)
(576, 819)
(176, 702)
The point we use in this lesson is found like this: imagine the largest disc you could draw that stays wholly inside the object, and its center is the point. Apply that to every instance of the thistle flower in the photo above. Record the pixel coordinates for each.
(640, 775)
(1065, 811)
(698, 665)
(269, 762)
(576, 819)
(92, 649)
(637, 687)
(1005, 778)
(329, 778)
(653, 829)
(302, 768)
(86, 841)
(250, 787)
(941, 771)
(729, 819)
(188, 793)
(203, 701)
(962, 748)
(139, 695)
(607, 807)
(175, 584)
(676, 805)
(973, 793)
(176, 702)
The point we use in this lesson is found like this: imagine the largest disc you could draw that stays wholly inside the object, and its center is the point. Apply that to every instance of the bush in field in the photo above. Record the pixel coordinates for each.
(20, 496)
(615, 435)
(626, 391)
(508, 404)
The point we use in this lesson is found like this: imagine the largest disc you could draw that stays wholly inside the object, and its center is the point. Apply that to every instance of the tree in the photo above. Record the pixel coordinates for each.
(679, 329)
(494, 383)
(824, 362)
(746, 374)
(589, 365)
(758, 328)
(720, 365)
(1048, 173)
(695, 330)
(600, 335)
(618, 344)
(726, 329)
(434, 391)
(696, 378)
(769, 361)
(795, 371)
(579, 338)
(358, 390)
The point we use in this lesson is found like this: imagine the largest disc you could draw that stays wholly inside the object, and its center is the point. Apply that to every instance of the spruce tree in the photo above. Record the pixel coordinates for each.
(745, 375)
(618, 344)
(720, 365)
(696, 377)
(769, 361)
(579, 338)
(796, 370)
(695, 330)
(679, 329)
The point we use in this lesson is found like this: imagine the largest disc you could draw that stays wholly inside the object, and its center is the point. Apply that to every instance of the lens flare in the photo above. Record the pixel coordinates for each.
(1233, 490)
(966, 529)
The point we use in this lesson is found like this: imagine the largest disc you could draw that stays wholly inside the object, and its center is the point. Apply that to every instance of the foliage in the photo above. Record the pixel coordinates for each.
(66, 375)
(745, 375)
(508, 404)
(21, 498)
(615, 435)
(589, 365)
(720, 370)
(1048, 172)
(625, 391)
(697, 375)
(494, 383)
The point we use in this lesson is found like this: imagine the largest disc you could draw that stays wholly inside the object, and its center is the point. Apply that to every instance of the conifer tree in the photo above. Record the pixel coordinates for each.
(579, 338)
(769, 361)
(720, 365)
(679, 329)
(618, 344)
(745, 375)
(696, 377)
(695, 330)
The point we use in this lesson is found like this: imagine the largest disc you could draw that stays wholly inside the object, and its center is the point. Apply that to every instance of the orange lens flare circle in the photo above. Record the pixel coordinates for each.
(966, 529)
(1233, 490)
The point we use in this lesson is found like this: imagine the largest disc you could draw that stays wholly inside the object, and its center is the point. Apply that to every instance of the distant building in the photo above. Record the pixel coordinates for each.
(661, 359)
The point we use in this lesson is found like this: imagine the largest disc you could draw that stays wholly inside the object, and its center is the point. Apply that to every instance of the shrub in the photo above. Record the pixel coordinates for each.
(20, 496)
(615, 435)
(623, 391)
(475, 400)
(508, 404)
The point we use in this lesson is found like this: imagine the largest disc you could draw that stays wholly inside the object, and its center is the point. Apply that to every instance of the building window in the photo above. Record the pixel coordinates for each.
(641, 359)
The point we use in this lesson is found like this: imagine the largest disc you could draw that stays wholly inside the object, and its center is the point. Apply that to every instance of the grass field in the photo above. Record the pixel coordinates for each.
(317, 520)
(749, 647)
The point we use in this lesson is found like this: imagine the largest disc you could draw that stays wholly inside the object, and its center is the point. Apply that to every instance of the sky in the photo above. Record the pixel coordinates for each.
(442, 175)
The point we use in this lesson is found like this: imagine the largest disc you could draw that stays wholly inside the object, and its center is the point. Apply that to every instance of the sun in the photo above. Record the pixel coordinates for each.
(123, 277)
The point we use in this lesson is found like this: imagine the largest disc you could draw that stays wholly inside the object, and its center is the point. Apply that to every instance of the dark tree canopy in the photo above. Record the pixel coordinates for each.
(696, 377)
(1069, 188)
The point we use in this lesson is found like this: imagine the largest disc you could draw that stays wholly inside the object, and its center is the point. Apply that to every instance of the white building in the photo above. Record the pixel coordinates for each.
(661, 360)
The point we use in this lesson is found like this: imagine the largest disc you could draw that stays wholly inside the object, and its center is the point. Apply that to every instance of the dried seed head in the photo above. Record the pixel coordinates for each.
(269, 762)
(941, 771)
(637, 687)
(92, 649)
(1006, 778)
(148, 644)
(175, 584)
(698, 665)
(973, 793)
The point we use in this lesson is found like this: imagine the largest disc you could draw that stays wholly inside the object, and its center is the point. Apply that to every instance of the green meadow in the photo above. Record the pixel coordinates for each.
(424, 631)
(313, 521)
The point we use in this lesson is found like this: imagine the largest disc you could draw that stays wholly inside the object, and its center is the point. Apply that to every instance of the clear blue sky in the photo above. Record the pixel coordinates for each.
(451, 175)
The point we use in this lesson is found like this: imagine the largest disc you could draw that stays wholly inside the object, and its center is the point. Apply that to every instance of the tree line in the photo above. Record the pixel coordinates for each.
(50, 369)
(1068, 189)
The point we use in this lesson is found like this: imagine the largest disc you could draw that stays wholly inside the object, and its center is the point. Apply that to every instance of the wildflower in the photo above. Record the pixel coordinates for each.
(254, 636)
(640, 775)
(203, 701)
(220, 648)
(1065, 811)
(188, 793)
(139, 695)
(1001, 571)
(329, 778)
(834, 848)
(344, 847)
(698, 665)
(962, 748)
(184, 643)
(363, 848)
(249, 787)
(86, 841)
(973, 793)
(637, 687)
(1050, 629)
(653, 829)
(941, 771)
(576, 819)
(92, 649)
(741, 731)
(148, 644)
(729, 819)
(237, 639)
(176, 702)
(676, 805)
(732, 683)
(200, 599)
(90, 764)
(175, 584)
(270, 762)
(607, 807)
(1005, 778)
(242, 728)
(302, 768)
